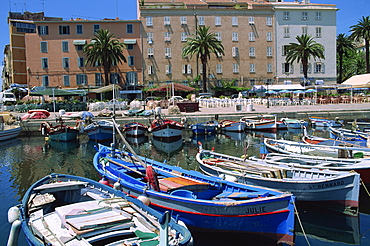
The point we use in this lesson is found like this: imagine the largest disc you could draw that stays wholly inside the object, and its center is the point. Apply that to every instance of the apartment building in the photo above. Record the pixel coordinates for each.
(293, 19)
(53, 54)
(244, 27)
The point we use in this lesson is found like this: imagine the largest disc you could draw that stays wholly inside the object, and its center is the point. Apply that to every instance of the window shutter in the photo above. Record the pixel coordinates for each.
(189, 69)
(183, 69)
(323, 68)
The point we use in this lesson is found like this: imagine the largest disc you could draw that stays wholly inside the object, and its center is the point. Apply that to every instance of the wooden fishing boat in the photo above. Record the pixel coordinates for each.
(348, 134)
(207, 127)
(59, 132)
(305, 156)
(231, 125)
(135, 129)
(202, 202)
(166, 128)
(294, 123)
(334, 189)
(100, 130)
(263, 123)
(63, 209)
(324, 122)
(8, 131)
(359, 142)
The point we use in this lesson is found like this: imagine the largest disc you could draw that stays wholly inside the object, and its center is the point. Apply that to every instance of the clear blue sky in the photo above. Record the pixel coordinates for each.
(350, 11)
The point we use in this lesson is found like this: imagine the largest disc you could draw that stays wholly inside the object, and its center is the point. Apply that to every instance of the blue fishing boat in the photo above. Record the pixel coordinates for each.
(204, 203)
(59, 132)
(324, 122)
(203, 128)
(101, 130)
(66, 210)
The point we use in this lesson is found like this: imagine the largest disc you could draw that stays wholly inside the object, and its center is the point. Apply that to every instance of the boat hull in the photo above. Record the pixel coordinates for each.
(167, 131)
(135, 130)
(10, 133)
(204, 128)
(236, 126)
(270, 216)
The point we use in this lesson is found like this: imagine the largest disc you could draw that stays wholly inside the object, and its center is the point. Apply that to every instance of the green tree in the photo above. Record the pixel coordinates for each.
(106, 50)
(344, 47)
(360, 32)
(303, 51)
(202, 44)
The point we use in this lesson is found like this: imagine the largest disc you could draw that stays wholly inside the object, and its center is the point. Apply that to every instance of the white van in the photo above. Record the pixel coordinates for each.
(7, 98)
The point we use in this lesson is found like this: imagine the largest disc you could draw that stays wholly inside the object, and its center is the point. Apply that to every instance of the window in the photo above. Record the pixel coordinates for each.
(252, 82)
(318, 32)
(65, 46)
(130, 46)
(114, 78)
(131, 78)
(252, 68)
(234, 37)
(167, 21)
(43, 30)
(318, 67)
(251, 20)
(66, 81)
(217, 21)
(218, 68)
(150, 52)
(167, 52)
(286, 32)
(45, 80)
(98, 79)
(185, 82)
(201, 20)
(183, 20)
(304, 30)
(81, 79)
(43, 47)
(96, 27)
(268, 21)
(234, 20)
(65, 61)
(79, 29)
(218, 36)
(318, 16)
(286, 15)
(269, 36)
(64, 30)
(129, 28)
(149, 36)
(186, 69)
(168, 69)
(183, 36)
(44, 63)
(235, 68)
(285, 50)
(167, 36)
(287, 68)
(252, 52)
(130, 61)
(150, 69)
(269, 51)
(149, 21)
(304, 15)
(235, 51)
(269, 67)
(251, 36)
(80, 61)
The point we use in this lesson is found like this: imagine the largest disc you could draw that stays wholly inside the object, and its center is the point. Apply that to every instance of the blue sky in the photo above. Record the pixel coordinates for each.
(349, 11)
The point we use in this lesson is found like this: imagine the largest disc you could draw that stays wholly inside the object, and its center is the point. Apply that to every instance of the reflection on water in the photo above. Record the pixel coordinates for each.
(26, 160)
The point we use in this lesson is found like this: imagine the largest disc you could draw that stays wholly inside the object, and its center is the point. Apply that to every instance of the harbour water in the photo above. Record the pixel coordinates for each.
(27, 159)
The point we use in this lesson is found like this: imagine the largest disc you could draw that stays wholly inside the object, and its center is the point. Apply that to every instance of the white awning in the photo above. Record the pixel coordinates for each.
(358, 81)
(286, 87)
(129, 41)
(79, 42)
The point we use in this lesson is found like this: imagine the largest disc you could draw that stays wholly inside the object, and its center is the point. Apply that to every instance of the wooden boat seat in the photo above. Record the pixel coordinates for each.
(175, 183)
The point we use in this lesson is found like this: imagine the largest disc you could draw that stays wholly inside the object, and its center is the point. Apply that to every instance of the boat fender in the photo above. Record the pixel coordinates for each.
(228, 178)
(13, 214)
(152, 178)
(104, 181)
(14, 233)
(144, 199)
(117, 185)
(244, 156)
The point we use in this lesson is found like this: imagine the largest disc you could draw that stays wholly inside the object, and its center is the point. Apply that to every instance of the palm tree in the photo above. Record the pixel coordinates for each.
(344, 46)
(362, 31)
(202, 44)
(303, 51)
(106, 50)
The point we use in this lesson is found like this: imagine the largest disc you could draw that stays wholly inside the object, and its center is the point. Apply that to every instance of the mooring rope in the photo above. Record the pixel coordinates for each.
(363, 184)
(300, 224)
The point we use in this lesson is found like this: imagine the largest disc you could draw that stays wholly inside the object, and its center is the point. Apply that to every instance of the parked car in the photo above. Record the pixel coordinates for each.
(7, 98)
(176, 98)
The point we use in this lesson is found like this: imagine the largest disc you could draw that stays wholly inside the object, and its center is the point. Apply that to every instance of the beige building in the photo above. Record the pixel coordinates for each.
(244, 27)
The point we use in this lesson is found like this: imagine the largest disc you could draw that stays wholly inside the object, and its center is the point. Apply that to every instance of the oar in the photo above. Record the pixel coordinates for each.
(127, 167)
